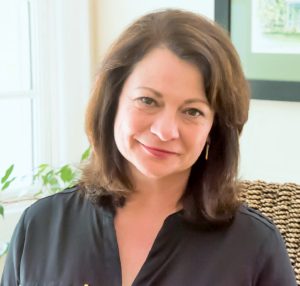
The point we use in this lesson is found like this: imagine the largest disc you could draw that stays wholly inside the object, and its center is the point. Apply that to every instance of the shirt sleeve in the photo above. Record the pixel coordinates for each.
(11, 272)
(275, 266)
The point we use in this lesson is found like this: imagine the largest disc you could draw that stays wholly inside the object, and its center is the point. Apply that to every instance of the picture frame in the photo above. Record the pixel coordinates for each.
(280, 90)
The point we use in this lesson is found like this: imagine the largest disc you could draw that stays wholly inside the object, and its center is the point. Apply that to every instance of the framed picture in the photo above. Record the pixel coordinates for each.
(266, 35)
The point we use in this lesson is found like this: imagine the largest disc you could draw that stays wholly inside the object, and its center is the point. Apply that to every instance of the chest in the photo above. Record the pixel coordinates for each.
(135, 241)
(150, 255)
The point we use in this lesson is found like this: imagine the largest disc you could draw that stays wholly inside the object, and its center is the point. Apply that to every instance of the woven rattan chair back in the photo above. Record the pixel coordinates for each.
(281, 203)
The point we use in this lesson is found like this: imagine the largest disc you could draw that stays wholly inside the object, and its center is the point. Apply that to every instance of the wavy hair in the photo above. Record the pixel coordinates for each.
(211, 194)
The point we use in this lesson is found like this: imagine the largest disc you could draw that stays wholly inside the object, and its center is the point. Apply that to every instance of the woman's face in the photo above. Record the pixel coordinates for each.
(163, 117)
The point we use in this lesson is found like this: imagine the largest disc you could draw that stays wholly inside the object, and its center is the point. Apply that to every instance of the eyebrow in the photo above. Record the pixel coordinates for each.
(156, 93)
(159, 95)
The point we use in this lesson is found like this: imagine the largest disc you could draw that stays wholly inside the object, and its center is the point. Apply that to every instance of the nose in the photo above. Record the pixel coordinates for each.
(165, 126)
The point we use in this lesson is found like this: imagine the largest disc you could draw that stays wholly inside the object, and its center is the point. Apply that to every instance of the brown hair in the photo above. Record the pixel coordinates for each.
(211, 193)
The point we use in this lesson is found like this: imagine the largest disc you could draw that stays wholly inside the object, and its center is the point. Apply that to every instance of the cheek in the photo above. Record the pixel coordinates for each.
(139, 128)
(127, 125)
(119, 132)
(197, 139)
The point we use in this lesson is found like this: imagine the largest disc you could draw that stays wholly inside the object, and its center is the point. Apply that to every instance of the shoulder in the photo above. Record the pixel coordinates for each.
(256, 231)
(70, 204)
(66, 198)
(255, 217)
(254, 224)
(249, 229)
(265, 240)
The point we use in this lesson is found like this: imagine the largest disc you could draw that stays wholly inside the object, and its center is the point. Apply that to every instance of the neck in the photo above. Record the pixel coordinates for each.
(157, 195)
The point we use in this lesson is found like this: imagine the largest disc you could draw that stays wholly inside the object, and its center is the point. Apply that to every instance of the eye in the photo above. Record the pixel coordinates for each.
(193, 112)
(147, 101)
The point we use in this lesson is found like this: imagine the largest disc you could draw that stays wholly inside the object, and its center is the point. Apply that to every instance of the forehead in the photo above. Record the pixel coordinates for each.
(165, 72)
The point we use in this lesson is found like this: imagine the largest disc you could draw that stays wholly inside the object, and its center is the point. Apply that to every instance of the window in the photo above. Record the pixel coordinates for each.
(45, 76)
(17, 87)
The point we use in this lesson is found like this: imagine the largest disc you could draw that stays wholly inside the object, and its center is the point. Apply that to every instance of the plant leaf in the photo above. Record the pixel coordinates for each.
(6, 184)
(1, 211)
(7, 174)
(45, 180)
(86, 154)
(53, 182)
(43, 166)
(41, 169)
(48, 177)
(66, 173)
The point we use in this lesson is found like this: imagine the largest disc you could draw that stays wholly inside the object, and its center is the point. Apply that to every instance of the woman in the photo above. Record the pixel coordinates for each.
(157, 202)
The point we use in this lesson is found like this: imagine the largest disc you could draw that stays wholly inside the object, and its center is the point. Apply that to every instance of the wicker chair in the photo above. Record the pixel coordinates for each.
(281, 203)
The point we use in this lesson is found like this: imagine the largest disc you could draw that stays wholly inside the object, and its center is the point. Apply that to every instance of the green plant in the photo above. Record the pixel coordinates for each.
(46, 178)
(49, 179)
(52, 180)
(6, 180)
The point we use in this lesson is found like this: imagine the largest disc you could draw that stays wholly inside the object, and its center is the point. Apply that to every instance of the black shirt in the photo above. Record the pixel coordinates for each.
(67, 240)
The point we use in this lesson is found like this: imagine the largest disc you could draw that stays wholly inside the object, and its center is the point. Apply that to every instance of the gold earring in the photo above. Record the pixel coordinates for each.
(206, 151)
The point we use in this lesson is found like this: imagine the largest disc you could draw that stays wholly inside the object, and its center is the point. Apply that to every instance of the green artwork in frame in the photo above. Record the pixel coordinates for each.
(272, 65)
(281, 17)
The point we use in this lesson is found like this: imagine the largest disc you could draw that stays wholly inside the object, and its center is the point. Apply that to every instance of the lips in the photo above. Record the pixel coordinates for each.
(157, 152)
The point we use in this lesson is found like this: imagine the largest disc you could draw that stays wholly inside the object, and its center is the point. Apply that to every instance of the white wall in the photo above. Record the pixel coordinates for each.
(68, 56)
(114, 15)
(270, 143)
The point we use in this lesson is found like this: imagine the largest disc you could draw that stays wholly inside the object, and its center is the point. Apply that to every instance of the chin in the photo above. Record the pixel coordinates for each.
(159, 172)
(152, 172)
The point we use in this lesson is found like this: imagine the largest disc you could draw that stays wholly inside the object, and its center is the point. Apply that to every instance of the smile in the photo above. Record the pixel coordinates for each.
(156, 152)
